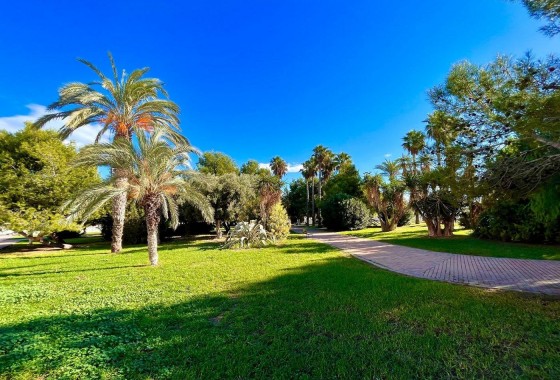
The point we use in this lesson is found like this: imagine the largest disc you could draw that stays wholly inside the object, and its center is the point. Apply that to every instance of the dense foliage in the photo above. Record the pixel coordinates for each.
(36, 178)
(342, 212)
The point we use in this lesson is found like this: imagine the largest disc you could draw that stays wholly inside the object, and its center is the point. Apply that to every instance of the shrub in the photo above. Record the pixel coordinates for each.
(341, 212)
(248, 235)
(516, 221)
(134, 231)
(278, 222)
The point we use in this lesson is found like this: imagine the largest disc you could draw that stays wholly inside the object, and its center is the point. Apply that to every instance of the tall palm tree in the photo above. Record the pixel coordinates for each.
(324, 160)
(279, 167)
(156, 179)
(414, 142)
(121, 105)
(309, 174)
(390, 169)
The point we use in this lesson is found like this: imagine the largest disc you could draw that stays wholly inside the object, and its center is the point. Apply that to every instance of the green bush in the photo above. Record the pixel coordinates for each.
(516, 221)
(342, 212)
(135, 231)
(278, 222)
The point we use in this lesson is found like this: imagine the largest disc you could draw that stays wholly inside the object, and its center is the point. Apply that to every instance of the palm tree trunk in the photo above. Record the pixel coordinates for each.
(118, 213)
(319, 217)
(313, 201)
(307, 203)
(151, 209)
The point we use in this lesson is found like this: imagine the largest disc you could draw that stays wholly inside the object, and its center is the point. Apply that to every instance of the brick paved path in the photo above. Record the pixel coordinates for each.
(536, 276)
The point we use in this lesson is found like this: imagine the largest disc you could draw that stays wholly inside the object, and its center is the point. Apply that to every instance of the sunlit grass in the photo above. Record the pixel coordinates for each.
(416, 236)
(301, 310)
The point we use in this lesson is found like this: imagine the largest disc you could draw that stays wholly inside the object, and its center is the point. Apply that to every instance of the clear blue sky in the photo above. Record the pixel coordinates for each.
(255, 79)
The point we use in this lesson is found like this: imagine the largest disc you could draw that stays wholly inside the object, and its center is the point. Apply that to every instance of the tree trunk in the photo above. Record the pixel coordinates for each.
(433, 227)
(448, 227)
(320, 217)
(218, 228)
(387, 224)
(417, 216)
(118, 213)
(313, 201)
(151, 209)
(307, 203)
(388, 227)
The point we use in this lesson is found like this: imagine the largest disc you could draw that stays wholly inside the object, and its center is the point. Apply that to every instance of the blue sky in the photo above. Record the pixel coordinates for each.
(255, 79)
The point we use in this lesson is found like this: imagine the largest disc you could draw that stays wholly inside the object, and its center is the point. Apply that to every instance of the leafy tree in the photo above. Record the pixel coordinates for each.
(548, 10)
(154, 173)
(297, 199)
(228, 194)
(252, 167)
(122, 105)
(346, 181)
(216, 163)
(279, 167)
(36, 171)
(37, 225)
(36, 178)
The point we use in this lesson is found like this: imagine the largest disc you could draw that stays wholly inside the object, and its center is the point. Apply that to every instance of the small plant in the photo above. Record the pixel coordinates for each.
(248, 235)
(279, 222)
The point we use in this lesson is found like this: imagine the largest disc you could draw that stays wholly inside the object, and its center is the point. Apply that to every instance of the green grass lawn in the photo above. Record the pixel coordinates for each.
(302, 310)
(416, 236)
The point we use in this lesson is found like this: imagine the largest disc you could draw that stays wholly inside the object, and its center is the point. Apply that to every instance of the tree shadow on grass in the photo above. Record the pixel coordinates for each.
(56, 271)
(338, 318)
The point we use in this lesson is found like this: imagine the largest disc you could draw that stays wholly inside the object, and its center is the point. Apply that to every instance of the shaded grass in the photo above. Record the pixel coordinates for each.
(463, 243)
(300, 310)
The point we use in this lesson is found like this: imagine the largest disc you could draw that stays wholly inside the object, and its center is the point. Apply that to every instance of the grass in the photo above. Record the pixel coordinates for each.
(302, 310)
(416, 236)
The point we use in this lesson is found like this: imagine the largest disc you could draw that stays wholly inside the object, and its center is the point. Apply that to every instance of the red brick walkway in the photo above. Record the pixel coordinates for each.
(535, 276)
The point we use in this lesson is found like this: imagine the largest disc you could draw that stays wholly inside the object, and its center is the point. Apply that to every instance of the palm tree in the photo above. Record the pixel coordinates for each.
(406, 164)
(414, 143)
(342, 160)
(439, 129)
(390, 169)
(309, 174)
(156, 178)
(425, 163)
(279, 167)
(324, 160)
(121, 105)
